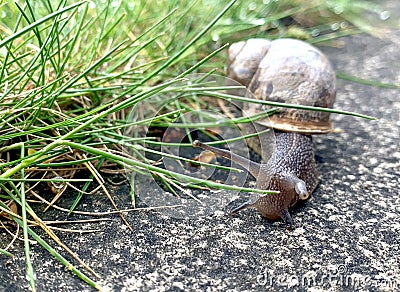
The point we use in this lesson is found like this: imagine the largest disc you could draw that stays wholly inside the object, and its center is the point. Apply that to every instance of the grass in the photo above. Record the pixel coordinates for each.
(70, 73)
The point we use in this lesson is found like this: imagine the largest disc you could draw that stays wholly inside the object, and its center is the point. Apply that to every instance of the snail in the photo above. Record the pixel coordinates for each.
(286, 71)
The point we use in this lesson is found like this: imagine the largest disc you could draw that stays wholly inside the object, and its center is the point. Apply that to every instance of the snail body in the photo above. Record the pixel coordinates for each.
(286, 71)
(290, 170)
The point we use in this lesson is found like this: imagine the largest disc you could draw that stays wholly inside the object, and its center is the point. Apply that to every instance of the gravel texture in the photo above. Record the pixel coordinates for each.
(346, 235)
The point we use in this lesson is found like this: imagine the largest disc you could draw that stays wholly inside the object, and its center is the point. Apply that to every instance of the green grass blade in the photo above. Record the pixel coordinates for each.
(181, 177)
(286, 105)
(59, 257)
(175, 57)
(33, 25)
(6, 253)
(30, 274)
(366, 81)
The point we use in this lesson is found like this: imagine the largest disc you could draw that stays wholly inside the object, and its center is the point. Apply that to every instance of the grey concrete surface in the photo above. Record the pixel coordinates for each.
(346, 236)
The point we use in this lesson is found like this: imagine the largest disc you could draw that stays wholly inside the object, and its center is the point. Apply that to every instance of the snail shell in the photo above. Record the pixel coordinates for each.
(286, 71)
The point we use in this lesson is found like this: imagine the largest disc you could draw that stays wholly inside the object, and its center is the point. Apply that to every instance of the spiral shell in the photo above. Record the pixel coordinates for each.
(286, 71)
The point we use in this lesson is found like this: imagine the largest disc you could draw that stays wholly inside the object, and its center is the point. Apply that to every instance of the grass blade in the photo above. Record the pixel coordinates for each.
(38, 22)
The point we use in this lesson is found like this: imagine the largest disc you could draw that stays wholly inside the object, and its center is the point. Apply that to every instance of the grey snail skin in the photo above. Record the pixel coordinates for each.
(286, 71)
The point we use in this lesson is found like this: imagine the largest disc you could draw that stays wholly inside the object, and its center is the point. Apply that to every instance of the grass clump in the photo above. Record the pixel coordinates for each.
(71, 71)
